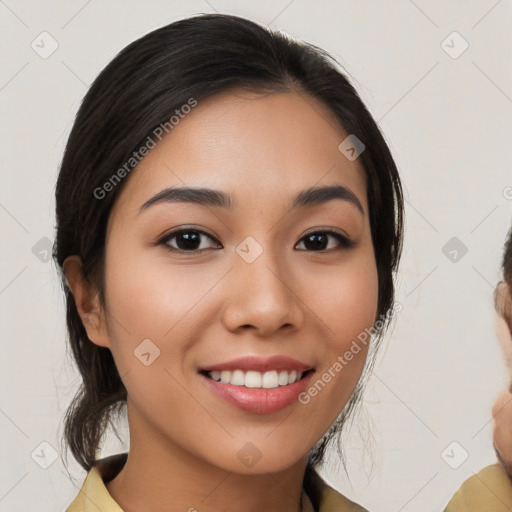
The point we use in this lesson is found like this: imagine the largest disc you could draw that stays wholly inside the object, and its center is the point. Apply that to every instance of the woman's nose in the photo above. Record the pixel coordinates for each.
(261, 296)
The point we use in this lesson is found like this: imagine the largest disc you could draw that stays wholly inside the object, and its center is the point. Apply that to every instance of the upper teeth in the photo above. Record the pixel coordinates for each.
(251, 379)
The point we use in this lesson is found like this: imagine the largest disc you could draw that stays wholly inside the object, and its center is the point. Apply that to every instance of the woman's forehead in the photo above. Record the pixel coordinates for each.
(249, 144)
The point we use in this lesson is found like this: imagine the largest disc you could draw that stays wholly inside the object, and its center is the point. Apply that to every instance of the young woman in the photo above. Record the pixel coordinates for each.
(229, 223)
(491, 488)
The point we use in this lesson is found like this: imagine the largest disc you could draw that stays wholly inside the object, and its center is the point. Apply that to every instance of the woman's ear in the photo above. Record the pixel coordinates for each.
(87, 301)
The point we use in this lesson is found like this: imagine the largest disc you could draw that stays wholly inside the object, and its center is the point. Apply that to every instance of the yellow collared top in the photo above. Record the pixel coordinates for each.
(489, 490)
(94, 496)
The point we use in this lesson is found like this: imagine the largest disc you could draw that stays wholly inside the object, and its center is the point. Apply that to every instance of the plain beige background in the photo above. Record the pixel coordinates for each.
(446, 111)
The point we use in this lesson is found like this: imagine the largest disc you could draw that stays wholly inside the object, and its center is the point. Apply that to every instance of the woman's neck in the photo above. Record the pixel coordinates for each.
(159, 476)
(147, 483)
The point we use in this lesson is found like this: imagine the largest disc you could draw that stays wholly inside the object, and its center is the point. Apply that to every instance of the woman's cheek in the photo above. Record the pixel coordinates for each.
(352, 304)
(150, 297)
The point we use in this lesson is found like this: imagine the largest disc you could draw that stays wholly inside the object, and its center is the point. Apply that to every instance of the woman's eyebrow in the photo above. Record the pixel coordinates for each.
(210, 197)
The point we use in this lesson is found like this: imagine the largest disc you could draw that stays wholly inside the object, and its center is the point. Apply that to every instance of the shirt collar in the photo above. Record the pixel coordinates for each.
(94, 496)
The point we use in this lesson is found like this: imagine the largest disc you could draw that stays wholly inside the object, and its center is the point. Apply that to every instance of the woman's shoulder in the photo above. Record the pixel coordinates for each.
(324, 497)
(490, 489)
(332, 501)
(93, 495)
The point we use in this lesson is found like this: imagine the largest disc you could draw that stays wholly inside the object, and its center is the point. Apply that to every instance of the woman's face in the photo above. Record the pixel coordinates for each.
(248, 282)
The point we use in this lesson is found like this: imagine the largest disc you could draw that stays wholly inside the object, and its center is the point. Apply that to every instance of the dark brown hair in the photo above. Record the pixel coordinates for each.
(139, 90)
(507, 260)
(503, 295)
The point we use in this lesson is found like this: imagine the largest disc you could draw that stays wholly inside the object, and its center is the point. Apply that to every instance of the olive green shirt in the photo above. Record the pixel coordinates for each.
(489, 490)
(94, 495)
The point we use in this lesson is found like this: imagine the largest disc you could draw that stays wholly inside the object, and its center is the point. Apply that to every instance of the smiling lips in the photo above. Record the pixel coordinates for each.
(258, 385)
(252, 379)
(255, 372)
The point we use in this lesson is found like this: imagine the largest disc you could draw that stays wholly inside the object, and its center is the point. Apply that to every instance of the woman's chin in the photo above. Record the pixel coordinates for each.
(259, 458)
(249, 466)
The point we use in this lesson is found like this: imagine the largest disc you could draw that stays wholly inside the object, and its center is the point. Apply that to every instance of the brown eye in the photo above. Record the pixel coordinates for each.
(189, 240)
(319, 241)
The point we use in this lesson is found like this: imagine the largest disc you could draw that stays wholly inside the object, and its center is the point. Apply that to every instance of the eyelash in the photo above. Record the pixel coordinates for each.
(344, 242)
